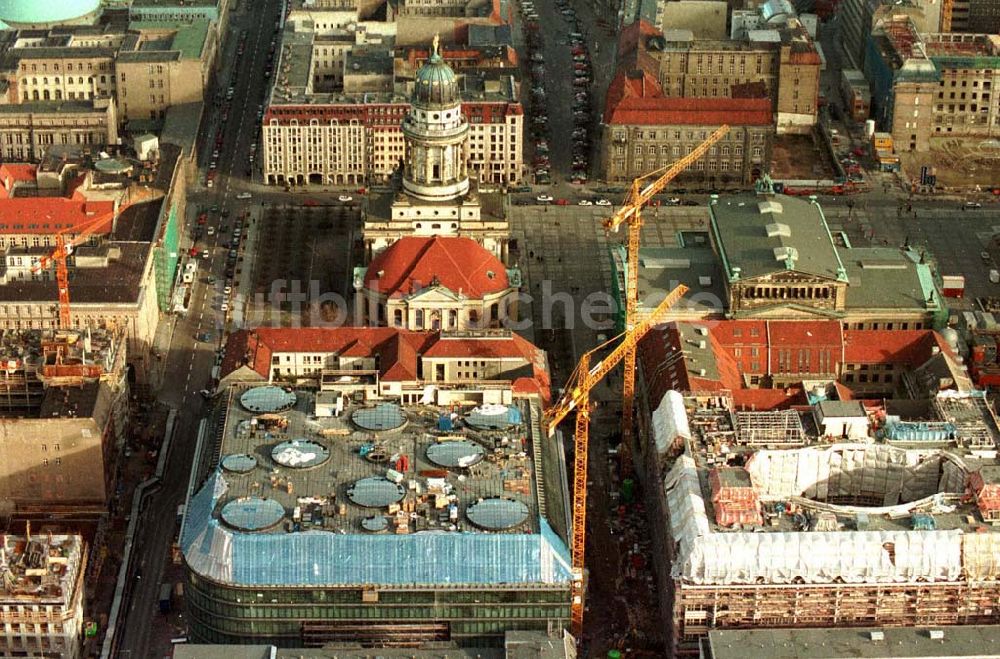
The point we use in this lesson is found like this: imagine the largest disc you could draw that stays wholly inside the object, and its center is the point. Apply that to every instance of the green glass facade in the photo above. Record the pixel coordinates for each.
(166, 254)
(311, 617)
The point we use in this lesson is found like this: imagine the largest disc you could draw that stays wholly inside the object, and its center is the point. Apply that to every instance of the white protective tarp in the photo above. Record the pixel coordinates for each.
(688, 518)
(670, 421)
(844, 470)
(818, 557)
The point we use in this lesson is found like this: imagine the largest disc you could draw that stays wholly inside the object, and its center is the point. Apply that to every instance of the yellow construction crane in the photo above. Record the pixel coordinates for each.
(576, 396)
(947, 8)
(629, 213)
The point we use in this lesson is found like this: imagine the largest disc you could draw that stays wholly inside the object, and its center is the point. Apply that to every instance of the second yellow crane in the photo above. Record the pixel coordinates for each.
(639, 195)
(576, 396)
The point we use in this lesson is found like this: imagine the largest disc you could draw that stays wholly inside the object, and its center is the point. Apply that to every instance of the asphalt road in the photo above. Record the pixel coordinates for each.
(189, 361)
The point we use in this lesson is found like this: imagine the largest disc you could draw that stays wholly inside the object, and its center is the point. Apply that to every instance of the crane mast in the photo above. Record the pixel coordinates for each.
(631, 214)
(576, 396)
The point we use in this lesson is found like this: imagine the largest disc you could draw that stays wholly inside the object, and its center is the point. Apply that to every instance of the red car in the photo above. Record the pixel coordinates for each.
(193, 252)
(203, 218)
(562, 202)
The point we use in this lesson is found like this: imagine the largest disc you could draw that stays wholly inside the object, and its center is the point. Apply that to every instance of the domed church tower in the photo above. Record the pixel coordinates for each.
(435, 132)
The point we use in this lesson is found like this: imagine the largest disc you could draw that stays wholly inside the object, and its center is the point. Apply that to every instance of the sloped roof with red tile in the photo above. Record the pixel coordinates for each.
(459, 264)
(635, 99)
(632, 36)
(14, 173)
(50, 215)
(399, 351)
(766, 400)
(912, 347)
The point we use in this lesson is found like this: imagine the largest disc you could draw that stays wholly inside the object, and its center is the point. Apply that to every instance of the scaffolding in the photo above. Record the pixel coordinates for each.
(974, 419)
(781, 428)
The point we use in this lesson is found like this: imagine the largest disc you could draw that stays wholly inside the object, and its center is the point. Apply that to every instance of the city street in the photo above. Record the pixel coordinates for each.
(560, 249)
(188, 362)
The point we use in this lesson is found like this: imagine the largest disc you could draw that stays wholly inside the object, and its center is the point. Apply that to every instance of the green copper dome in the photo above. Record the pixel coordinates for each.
(436, 82)
(34, 12)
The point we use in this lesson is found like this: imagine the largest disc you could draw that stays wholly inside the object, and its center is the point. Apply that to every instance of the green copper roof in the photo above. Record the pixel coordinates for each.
(49, 11)
(436, 83)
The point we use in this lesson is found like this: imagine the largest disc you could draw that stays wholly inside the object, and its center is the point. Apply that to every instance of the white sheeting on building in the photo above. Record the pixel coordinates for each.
(818, 557)
(670, 421)
(704, 556)
(844, 470)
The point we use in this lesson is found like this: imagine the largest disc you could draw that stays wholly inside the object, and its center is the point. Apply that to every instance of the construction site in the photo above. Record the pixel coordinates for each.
(325, 518)
(831, 515)
(41, 595)
(63, 419)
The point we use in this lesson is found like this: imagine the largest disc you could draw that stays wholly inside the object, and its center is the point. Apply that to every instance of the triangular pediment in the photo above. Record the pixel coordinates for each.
(788, 277)
(788, 311)
(434, 294)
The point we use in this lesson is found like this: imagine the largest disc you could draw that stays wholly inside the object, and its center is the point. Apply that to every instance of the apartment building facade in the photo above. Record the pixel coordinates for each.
(357, 142)
(642, 131)
(144, 66)
(780, 63)
(28, 129)
(934, 86)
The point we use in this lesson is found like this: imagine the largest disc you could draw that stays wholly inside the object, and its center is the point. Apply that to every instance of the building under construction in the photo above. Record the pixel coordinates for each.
(815, 531)
(321, 518)
(41, 595)
(63, 418)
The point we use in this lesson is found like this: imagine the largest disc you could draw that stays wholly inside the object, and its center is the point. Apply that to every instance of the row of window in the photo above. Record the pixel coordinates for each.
(103, 66)
(677, 149)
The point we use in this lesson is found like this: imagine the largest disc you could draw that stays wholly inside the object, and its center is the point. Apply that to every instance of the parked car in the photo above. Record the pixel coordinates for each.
(602, 202)
(544, 199)
(244, 195)
(585, 202)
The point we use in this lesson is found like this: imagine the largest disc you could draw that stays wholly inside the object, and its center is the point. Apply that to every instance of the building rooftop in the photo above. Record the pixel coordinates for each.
(298, 499)
(855, 643)
(888, 277)
(635, 98)
(662, 268)
(189, 38)
(757, 235)
(517, 645)
(413, 263)
(818, 512)
(34, 12)
(42, 570)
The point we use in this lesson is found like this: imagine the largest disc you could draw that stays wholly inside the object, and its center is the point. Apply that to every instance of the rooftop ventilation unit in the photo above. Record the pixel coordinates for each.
(786, 254)
(769, 206)
(776, 229)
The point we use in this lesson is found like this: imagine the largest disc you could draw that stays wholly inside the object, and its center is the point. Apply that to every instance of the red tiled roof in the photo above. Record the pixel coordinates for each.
(12, 173)
(636, 99)
(765, 400)
(500, 346)
(913, 347)
(634, 34)
(399, 351)
(49, 215)
(460, 264)
(805, 340)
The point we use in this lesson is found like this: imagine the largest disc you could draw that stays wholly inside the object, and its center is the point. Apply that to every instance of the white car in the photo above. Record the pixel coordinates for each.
(585, 202)
(227, 290)
(602, 202)
(210, 231)
(244, 195)
(674, 201)
(345, 198)
(224, 307)
(543, 199)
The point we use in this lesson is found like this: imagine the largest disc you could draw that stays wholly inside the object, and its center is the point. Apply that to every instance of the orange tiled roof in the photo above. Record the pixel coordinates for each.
(459, 264)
